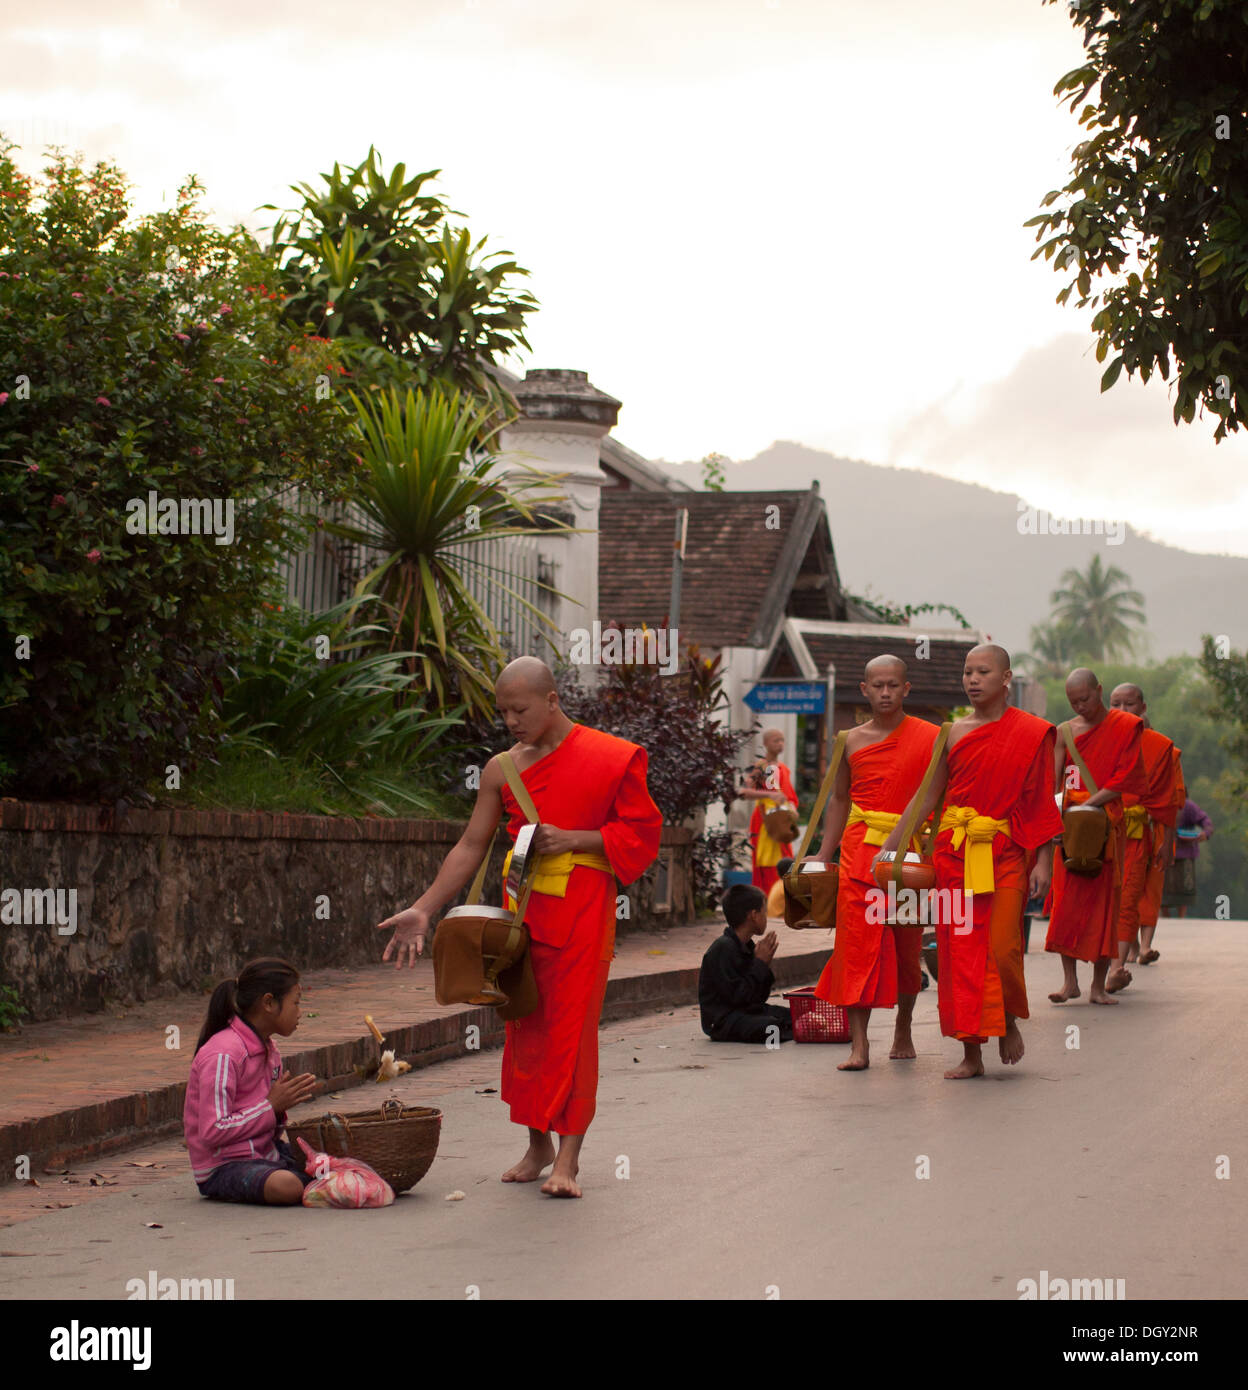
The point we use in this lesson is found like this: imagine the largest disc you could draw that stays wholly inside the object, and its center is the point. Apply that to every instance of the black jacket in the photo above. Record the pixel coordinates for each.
(732, 980)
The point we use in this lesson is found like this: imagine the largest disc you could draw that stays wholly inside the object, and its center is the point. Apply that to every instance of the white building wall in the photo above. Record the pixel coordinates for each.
(571, 451)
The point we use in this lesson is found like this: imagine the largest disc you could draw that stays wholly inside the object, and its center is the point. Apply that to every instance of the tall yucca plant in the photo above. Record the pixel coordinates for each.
(428, 456)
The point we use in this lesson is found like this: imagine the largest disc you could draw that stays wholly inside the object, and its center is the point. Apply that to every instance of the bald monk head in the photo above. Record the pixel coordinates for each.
(1129, 697)
(986, 675)
(885, 685)
(773, 744)
(528, 701)
(1083, 691)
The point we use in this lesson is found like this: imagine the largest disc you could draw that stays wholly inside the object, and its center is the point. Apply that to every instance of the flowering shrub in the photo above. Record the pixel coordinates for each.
(692, 755)
(136, 357)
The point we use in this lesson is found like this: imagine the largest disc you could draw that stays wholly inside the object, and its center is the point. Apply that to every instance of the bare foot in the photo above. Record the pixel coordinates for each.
(965, 1070)
(1065, 993)
(562, 1184)
(857, 1061)
(1011, 1045)
(903, 1046)
(1098, 996)
(1149, 957)
(536, 1157)
(1117, 979)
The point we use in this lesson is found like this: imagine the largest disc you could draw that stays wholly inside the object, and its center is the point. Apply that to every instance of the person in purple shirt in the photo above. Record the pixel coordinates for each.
(1191, 827)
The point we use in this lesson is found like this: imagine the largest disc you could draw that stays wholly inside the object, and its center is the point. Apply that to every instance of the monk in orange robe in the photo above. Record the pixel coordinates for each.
(1149, 821)
(598, 823)
(1084, 921)
(776, 790)
(874, 964)
(1155, 878)
(993, 852)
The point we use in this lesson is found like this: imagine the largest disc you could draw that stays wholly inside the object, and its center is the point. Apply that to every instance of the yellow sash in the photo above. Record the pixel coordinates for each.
(978, 832)
(879, 825)
(1136, 818)
(552, 871)
(768, 852)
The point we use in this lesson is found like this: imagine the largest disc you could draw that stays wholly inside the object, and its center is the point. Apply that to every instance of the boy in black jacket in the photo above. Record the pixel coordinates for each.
(736, 978)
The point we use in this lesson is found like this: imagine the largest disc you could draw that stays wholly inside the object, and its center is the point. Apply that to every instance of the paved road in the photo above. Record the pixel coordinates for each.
(750, 1170)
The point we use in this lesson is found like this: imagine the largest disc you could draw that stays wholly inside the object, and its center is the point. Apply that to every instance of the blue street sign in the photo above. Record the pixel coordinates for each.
(788, 697)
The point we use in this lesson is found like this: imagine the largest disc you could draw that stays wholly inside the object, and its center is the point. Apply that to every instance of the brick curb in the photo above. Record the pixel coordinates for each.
(91, 1131)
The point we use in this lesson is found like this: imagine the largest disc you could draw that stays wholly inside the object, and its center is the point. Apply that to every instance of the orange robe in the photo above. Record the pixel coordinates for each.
(1155, 876)
(765, 875)
(592, 781)
(1004, 771)
(872, 963)
(1146, 828)
(1084, 922)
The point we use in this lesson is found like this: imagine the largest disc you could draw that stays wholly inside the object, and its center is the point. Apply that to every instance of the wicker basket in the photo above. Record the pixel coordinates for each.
(395, 1141)
(815, 1020)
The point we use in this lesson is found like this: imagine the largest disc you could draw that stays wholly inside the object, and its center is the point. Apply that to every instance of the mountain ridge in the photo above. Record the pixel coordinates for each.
(1002, 579)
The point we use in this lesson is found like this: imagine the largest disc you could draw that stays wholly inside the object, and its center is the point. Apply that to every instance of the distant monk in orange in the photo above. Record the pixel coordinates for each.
(993, 852)
(769, 788)
(1149, 822)
(873, 964)
(1084, 921)
(1160, 860)
(598, 824)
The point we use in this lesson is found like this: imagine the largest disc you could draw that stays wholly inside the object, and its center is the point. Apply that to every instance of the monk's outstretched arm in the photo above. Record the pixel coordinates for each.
(465, 856)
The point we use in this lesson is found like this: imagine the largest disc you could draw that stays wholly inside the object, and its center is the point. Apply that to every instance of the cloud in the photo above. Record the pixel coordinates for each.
(1044, 430)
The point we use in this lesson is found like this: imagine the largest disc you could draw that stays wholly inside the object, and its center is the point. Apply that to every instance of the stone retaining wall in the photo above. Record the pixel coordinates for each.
(171, 900)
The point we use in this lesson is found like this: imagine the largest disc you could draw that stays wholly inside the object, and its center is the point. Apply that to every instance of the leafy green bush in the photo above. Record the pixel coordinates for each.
(137, 357)
(428, 497)
(371, 261)
(348, 718)
(10, 1008)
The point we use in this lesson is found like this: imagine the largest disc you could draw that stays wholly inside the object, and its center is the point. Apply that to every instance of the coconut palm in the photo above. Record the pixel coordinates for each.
(1098, 606)
(430, 483)
(1053, 651)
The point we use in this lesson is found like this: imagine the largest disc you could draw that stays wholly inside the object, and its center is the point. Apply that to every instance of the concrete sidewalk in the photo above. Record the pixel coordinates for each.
(88, 1086)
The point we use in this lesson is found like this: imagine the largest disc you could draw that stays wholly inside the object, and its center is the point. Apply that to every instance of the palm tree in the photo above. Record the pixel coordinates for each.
(1053, 651)
(429, 485)
(1098, 606)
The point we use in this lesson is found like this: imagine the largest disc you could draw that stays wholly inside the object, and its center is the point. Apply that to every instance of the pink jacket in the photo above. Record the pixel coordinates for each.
(227, 1116)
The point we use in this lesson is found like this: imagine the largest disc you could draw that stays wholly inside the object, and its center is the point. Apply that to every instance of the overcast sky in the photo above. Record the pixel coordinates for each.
(749, 220)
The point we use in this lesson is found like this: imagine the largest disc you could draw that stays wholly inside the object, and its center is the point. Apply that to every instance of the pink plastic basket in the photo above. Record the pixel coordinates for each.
(815, 1020)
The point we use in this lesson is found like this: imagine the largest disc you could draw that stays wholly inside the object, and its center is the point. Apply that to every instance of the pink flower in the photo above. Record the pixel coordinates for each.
(183, 337)
(203, 325)
(32, 468)
(93, 556)
(218, 381)
(102, 400)
(196, 451)
(225, 309)
(4, 396)
(58, 500)
(77, 294)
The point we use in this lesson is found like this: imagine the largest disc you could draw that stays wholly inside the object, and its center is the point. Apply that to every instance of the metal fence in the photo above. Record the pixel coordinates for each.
(498, 573)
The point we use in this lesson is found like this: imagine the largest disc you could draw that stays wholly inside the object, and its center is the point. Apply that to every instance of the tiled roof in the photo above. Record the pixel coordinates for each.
(936, 680)
(742, 562)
